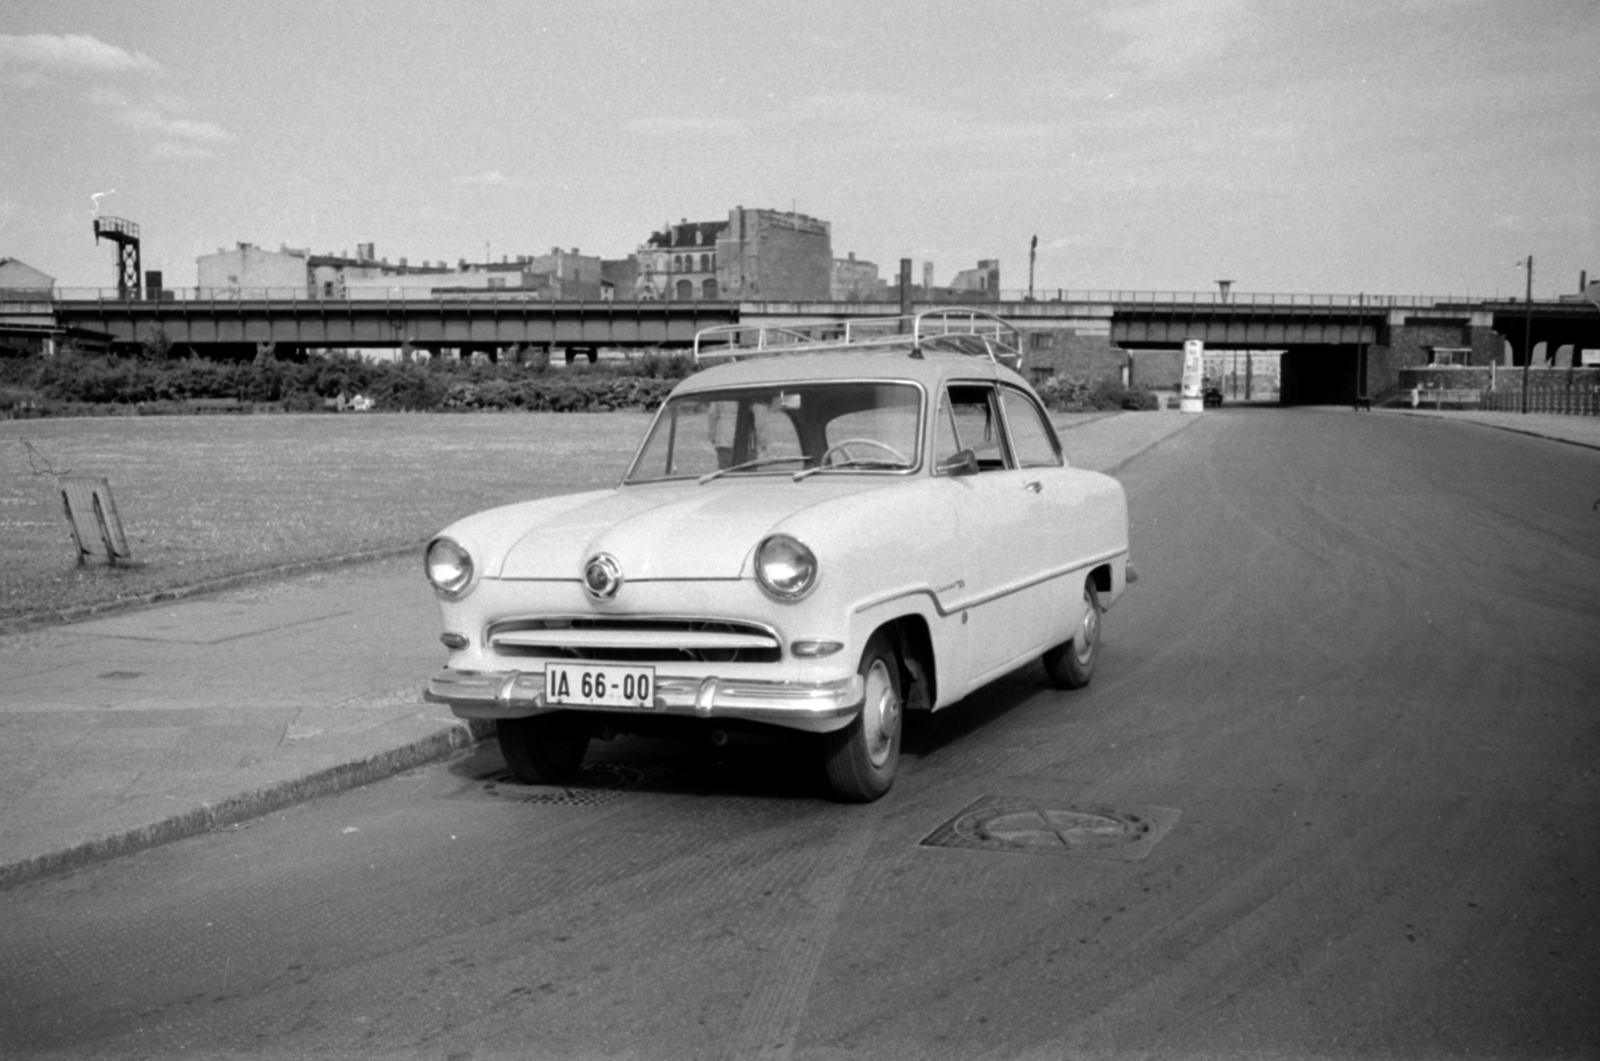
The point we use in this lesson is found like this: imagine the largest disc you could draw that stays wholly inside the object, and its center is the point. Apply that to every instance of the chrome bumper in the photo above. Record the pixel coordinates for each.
(816, 707)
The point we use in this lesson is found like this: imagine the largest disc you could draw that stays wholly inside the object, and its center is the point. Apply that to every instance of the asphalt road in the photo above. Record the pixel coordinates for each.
(1332, 793)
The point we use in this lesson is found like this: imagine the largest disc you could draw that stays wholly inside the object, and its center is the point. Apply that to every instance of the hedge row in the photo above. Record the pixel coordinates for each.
(74, 384)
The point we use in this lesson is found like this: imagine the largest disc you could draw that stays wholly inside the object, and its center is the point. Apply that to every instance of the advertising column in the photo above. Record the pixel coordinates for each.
(1194, 374)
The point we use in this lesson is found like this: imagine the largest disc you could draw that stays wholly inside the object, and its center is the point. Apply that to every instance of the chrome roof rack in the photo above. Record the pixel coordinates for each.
(976, 332)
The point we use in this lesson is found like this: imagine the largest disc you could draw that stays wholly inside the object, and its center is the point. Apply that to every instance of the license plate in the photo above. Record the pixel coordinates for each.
(600, 685)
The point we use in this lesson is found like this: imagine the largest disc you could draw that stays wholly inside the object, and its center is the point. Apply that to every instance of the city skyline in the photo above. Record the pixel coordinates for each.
(1412, 146)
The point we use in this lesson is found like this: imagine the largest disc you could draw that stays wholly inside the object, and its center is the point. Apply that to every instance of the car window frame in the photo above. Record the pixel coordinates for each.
(709, 394)
(1038, 409)
(997, 413)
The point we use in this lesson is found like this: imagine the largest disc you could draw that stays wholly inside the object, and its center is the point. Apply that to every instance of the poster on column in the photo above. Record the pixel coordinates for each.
(1194, 372)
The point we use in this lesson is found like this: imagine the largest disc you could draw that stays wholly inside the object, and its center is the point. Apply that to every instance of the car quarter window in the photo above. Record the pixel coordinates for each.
(968, 419)
(1033, 440)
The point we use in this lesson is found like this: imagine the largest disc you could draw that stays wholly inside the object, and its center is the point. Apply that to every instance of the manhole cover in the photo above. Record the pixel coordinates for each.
(1084, 830)
(596, 784)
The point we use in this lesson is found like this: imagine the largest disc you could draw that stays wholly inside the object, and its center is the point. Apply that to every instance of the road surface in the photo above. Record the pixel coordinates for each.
(1332, 793)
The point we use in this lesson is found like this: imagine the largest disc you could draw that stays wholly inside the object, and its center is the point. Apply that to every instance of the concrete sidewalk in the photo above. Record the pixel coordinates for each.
(150, 725)
(1574, 430)
(146, 726)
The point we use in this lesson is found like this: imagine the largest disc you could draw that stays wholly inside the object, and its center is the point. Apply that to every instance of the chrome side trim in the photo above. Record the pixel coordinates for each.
(945, 611)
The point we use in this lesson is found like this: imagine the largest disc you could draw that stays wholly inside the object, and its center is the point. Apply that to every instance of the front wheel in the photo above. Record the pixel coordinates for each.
(1070, 665)
(542, 749)
(863, 757)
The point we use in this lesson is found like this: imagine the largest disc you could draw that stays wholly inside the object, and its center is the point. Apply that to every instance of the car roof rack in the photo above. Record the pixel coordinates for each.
(973, 332)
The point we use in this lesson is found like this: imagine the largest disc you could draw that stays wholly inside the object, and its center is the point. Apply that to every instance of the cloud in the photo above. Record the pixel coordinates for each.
(892, 118)
(1172, 35)
(74, 52)
(168, 135)
(686, 126)
(492, 178)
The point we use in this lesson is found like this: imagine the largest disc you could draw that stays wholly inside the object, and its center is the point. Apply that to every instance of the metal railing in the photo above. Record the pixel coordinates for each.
(1567, 401)
(1008, 297)
(1292, 300)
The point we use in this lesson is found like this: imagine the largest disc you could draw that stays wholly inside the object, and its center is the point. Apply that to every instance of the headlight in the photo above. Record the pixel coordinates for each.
(785, 567)
(449, 567)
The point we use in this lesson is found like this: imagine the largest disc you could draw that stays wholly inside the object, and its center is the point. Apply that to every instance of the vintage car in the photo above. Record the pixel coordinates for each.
(819, 532)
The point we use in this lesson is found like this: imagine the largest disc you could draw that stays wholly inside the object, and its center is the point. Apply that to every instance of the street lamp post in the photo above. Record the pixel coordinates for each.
(1033, 250)
(1527, 334)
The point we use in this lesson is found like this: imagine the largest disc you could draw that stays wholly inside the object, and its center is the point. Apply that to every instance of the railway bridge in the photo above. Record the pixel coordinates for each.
(1334, 347)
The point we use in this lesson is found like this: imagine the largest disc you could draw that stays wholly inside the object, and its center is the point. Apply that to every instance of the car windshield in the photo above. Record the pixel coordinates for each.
(784, 429)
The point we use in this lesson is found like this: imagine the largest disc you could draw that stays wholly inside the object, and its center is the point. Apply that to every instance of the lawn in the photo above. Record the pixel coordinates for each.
(206, 498)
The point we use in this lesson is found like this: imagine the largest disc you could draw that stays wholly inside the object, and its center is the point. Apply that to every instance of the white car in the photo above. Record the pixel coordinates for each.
(817, 533)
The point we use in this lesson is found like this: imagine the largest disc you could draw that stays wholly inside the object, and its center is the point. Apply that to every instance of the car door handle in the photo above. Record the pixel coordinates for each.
(1035, 486)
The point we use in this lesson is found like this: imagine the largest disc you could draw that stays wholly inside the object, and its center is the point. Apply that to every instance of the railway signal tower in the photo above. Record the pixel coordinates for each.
(125, 234)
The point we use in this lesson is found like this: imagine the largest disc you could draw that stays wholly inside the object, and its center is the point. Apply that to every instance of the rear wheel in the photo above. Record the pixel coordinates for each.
(1071, 664)
(547, 749)
(863, 757)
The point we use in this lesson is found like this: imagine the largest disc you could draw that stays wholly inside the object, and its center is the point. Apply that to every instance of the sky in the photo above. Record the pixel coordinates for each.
(1298, 146)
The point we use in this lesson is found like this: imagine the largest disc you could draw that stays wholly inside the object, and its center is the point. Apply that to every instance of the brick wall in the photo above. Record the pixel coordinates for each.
(1412, 346)
(1071, 354)
(767, 255)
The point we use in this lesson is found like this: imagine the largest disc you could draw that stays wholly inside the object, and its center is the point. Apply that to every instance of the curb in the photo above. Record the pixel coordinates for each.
(1182, 425)
(244, 806)
(19, 624)
(1502, 427)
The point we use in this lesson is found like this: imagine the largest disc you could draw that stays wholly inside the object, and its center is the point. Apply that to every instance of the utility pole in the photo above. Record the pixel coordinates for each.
(1361, 346)
(1527, 335)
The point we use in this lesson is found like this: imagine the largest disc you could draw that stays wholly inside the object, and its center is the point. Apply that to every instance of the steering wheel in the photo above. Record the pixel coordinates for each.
(843, 446)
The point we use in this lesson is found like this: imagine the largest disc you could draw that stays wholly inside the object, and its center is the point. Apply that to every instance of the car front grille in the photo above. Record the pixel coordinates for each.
(636, 639)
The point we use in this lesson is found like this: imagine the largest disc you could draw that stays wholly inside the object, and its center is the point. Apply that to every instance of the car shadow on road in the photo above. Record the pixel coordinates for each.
(776, 765)
(983, 710)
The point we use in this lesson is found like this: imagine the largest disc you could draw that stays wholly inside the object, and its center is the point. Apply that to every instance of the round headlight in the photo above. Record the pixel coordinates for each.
(449, 567)
(785, 567)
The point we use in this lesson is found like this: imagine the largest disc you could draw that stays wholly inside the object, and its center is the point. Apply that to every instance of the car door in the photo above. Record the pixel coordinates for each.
(995, 505)
(1047, 545)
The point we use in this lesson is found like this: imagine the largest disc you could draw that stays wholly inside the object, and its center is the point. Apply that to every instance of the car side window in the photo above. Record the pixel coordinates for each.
(1032, 438)
(968, 420)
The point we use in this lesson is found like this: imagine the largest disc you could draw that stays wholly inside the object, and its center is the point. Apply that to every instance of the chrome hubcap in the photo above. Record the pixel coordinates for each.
(1089, 632)
(880, 715)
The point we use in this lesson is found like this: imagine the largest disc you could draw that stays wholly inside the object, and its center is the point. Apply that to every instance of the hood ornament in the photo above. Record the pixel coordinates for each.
(602, 576)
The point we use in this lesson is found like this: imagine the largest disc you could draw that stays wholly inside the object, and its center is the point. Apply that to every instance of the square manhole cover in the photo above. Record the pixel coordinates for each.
(1043, 827)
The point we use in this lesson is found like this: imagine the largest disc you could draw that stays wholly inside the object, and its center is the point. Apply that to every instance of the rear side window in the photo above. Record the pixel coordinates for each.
(969, 419)
(1033, 440)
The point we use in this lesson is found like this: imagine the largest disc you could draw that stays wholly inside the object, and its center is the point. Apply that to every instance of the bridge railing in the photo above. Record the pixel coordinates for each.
(1198, 299)
(1249, 298)
(301, 296)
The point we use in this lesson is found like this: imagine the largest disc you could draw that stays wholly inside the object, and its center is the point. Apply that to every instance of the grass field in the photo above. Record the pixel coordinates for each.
(206, 498)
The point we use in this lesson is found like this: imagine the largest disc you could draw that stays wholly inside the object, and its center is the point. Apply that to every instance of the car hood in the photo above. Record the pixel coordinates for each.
(673, 531)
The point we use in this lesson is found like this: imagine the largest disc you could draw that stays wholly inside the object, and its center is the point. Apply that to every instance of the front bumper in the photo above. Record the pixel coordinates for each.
(815, 707)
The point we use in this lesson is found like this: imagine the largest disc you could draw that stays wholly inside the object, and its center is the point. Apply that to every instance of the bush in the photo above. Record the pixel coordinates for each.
(73, 383)
(1076, 395)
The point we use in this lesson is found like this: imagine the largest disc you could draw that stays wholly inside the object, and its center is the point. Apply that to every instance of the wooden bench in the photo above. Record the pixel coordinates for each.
(92, 515)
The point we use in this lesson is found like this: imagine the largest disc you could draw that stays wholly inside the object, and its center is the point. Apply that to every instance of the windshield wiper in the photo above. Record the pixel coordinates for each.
(759, 462)
(854, 462)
